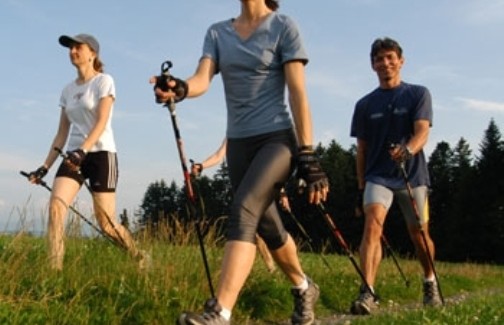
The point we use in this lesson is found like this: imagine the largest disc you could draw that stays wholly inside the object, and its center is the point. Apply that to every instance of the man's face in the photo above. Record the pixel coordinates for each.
(387, 65)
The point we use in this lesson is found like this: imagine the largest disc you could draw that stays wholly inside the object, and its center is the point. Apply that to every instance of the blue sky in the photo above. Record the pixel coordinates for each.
(452, 47)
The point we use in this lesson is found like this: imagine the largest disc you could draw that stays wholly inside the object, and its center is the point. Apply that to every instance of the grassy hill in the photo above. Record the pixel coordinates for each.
(102, 285)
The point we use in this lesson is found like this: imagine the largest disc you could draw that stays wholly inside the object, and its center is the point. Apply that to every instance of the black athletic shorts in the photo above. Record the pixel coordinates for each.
(99, 167)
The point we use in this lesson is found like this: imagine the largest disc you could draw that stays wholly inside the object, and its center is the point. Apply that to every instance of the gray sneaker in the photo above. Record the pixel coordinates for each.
(211, 316)
(304, 304)
(365, 304)
(431, 294)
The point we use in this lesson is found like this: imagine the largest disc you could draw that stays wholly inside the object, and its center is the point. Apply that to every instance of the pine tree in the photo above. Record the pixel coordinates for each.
(488, 204)
(441, 175)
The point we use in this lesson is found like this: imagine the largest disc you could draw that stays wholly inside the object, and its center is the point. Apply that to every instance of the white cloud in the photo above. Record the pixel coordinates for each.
(482, 105)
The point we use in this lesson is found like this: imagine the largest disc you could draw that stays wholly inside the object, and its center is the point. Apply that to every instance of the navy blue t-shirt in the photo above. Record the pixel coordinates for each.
(384, 117)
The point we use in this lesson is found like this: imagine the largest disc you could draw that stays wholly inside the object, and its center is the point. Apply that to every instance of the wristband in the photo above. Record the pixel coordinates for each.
(306, 148)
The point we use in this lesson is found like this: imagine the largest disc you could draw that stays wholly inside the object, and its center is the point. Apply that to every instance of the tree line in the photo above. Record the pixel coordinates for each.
(466, 203)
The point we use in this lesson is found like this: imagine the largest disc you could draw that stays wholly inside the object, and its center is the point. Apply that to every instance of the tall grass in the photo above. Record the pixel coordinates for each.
(100, 284)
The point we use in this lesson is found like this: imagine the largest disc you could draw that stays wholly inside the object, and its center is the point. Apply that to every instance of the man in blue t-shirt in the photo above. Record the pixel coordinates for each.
(391, 125)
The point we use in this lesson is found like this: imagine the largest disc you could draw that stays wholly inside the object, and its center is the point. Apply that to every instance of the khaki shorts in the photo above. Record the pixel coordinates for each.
(375, 193)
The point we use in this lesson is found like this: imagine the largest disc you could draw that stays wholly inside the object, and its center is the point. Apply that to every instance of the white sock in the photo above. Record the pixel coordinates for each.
(303, 285)
(225, 313)
(432, 278)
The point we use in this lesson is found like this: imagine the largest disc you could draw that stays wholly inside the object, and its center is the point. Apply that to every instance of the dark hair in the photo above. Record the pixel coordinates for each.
(98, 64)
(272, 4)
(385, 44)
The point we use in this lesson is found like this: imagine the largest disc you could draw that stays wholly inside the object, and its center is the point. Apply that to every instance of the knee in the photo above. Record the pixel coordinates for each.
(372, 231)
(274, 242)
(57, 209)
(242, 223)
(274, 239)
(105, 225)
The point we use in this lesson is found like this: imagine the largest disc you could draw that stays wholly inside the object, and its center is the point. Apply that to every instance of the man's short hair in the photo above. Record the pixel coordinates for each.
(385, 43)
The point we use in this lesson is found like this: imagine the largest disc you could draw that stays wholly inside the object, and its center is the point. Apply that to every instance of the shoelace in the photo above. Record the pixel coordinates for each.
(301, 298)
(211, 315)
(429, 289)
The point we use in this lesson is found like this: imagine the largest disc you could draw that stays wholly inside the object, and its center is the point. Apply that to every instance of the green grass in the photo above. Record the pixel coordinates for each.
(102, 285)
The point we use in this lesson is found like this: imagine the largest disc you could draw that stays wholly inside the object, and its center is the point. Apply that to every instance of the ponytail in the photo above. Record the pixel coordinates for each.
(272, 4)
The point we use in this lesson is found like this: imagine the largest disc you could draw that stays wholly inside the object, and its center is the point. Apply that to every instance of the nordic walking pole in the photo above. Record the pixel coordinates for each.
(307, 237)
(74, 210)
(391, 252)
(121, 239)
(402, 167)
(345, 247)
(301, 228)
(190, 192)
(165, 76)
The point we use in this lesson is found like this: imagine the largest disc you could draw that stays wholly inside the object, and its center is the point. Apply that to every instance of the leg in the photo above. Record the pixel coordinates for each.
(370, 250)
(417, 218)
(236, 266)
(282, 246)
(254, 194)
(257, 166)
(418, 222)
(102, 170)
(104, 207)
(63, 193)
(421, 250)
(377, 201)
(288, 260)
(265, 254)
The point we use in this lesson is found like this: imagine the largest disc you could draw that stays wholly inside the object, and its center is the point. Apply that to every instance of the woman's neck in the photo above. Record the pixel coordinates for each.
(253, 12)
(85, 73)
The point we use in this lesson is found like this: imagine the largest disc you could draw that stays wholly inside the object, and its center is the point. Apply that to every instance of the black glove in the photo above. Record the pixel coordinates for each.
(38, 174)
(76, 157)
(196, 168)
(310, 171)
(404, 152)
(180, 89)
(359, 203)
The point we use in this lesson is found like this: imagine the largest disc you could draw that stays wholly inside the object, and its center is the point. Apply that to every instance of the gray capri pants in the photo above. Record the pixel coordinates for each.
(375, 193)
(258, 168)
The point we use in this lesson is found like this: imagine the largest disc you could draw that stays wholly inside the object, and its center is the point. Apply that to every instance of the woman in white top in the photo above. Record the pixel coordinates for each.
(85, 126)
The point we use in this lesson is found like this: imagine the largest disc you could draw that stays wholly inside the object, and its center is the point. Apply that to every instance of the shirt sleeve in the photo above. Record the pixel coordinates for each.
(291, 43)
(357, 127)
(106, 87)
(423, 110)
(210, 49)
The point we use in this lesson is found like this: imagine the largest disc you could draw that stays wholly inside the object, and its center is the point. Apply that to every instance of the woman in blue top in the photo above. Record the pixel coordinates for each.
(258, 54)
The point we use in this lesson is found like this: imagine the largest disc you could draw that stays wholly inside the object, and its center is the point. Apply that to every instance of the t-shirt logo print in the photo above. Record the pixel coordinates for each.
(78, 96)
(400, 111)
